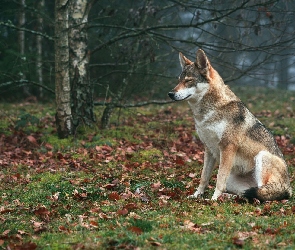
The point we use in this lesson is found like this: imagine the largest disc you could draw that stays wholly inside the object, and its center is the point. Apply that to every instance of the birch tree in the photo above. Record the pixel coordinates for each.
(62, 77)
(133, 47)
(74, 95)
(81, 89)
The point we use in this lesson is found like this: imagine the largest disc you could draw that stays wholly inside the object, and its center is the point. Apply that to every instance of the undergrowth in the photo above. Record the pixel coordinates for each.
(127, 187)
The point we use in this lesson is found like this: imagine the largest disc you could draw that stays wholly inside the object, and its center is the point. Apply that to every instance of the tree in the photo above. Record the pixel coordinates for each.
(21, 40)
(81, 88)
(62, 76)
(39, 40)
(73, 89)
(126, 51)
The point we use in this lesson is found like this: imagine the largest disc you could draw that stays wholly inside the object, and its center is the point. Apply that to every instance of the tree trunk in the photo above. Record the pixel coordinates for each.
(21, 40)
(62, 78)
(21, 33)
(106, 116)
(82, 91)
(108, 111)
(39, 48)
(283, 73)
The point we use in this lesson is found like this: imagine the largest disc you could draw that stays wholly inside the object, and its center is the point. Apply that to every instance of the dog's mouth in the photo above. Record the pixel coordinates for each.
(179, 100)
(187, 97)
(172, 96)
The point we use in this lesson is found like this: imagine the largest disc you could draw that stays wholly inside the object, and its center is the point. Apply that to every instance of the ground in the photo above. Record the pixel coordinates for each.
(127, 187)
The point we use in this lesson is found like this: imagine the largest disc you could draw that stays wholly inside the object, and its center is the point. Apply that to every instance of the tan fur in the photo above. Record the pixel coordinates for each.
(250, 162)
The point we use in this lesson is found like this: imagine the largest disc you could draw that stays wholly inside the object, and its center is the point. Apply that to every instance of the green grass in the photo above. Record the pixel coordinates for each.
(127, 187)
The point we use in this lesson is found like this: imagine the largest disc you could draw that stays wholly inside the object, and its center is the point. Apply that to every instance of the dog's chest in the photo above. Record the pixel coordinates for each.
(211, 133)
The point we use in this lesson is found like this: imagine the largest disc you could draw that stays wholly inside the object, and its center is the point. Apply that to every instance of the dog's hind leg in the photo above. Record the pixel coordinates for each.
(209, 162)
(272, 179)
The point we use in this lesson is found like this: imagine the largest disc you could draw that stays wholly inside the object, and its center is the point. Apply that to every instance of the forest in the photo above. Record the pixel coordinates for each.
(116, 54)
(95, 155)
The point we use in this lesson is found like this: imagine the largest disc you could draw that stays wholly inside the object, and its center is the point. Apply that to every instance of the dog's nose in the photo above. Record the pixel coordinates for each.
(171, 95)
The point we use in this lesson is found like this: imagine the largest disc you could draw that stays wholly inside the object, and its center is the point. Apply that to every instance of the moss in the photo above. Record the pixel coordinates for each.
(42, 187)
(128, 133)
(60, 144)
(150, 155)
(3, 127)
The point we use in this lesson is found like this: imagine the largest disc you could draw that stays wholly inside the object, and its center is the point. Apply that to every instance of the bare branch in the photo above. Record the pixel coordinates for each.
(134, 32)
(26, 82)
(11, 25)
(134, 105)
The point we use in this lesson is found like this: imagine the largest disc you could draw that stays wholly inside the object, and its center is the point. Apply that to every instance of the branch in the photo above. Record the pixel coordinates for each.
(135, 32)
(24, 82)
(134, 105)
(11, 25)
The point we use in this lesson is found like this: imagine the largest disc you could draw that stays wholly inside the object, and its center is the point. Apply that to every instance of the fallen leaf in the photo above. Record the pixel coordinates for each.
(272, 231)
(79, 195)
(156, 244)
(136, 230)
(93, 224)
(114, 196)
(25, 246)
(192, 175)
(21, 232)
(131, 206)
(32, 139)
(179, 160)
(39, 227)
(238, 242)
(155, 186)
(6, 232)
(62, 229)
(7, 210)
(42, 212)
(109, 186)
(123, 211)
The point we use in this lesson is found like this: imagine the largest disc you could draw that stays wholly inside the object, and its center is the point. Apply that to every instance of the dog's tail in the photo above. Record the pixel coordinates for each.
(269, 192)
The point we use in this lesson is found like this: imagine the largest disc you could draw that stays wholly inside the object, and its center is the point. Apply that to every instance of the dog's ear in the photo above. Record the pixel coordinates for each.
(183, 60)
(202, 62)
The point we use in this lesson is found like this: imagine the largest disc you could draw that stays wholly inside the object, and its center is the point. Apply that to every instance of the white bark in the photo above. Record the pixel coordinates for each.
(82, 99)
(62, 77)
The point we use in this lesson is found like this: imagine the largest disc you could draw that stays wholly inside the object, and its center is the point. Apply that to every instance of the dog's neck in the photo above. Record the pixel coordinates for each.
(211, 98)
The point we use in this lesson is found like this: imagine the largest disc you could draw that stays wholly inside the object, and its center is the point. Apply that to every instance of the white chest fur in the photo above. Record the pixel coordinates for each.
(211, 133)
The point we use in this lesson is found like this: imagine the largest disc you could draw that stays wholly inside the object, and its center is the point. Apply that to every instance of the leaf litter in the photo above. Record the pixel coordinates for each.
(117, 182)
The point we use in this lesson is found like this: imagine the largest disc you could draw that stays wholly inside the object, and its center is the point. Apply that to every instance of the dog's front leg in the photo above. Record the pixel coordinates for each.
(227, 156)
(209, 162)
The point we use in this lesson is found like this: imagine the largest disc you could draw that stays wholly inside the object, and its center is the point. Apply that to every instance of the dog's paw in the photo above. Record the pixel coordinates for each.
(216, 194)
(225, 196)
(196, 195)
(229, 196)
(192, 197)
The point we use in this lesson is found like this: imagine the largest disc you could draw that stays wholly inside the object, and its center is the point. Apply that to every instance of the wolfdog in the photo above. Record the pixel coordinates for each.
(250, 163)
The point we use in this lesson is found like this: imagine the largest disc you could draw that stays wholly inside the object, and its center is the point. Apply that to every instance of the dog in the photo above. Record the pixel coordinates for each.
(250, 162)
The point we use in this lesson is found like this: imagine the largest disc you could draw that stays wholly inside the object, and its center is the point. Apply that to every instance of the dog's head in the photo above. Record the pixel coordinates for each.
(194, 79)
